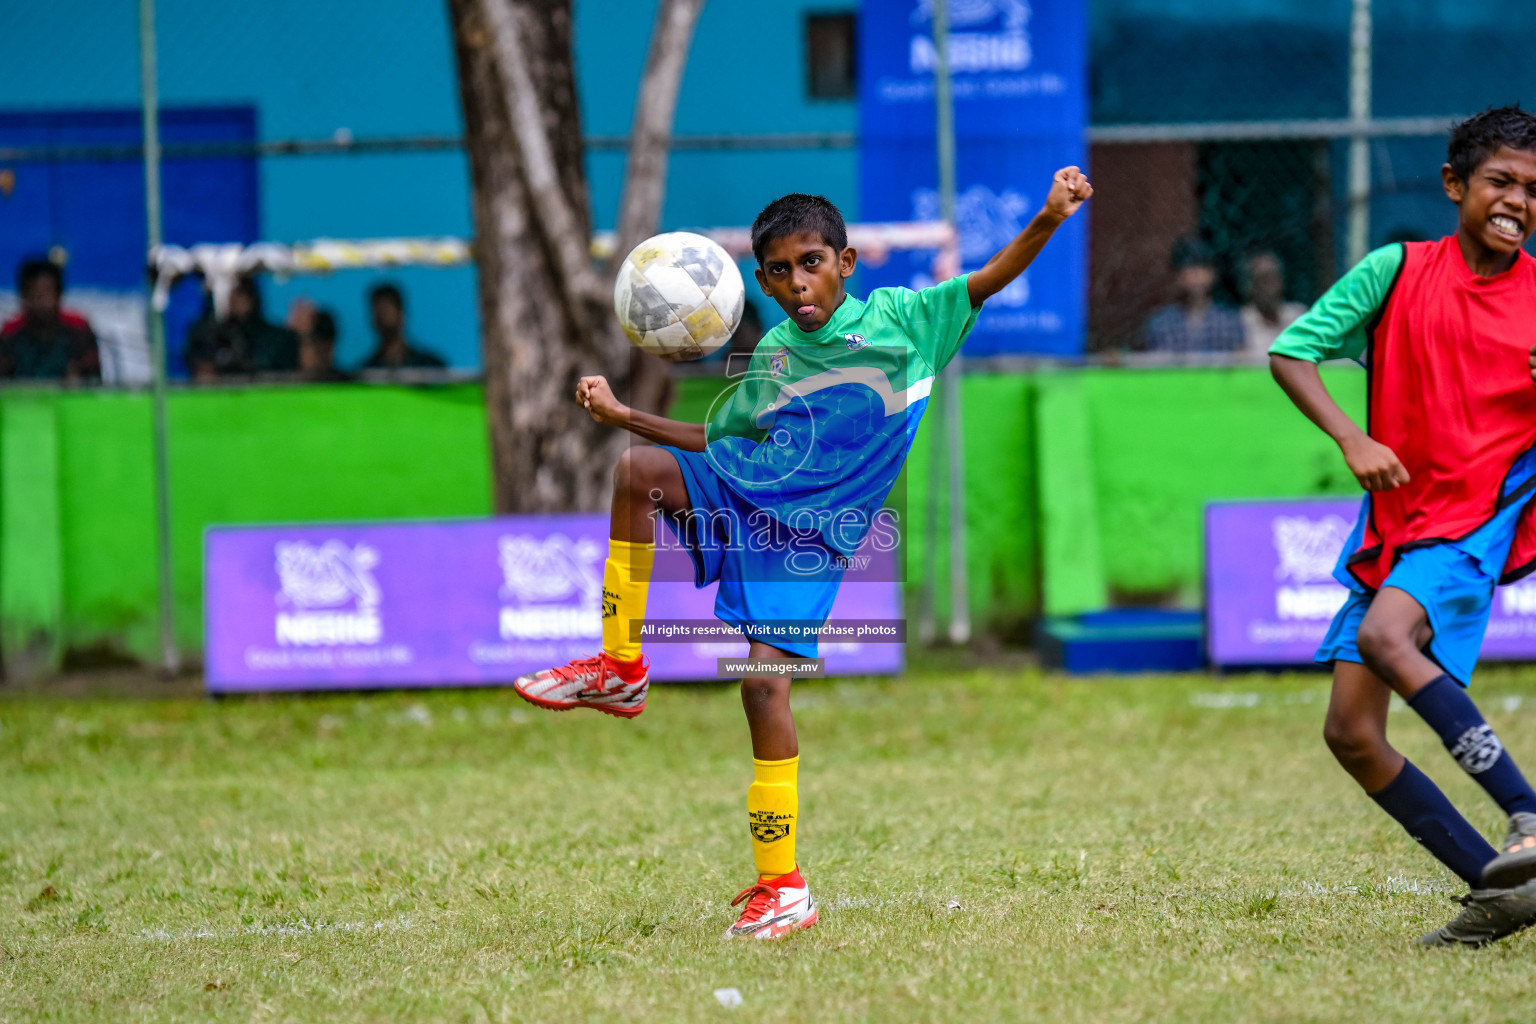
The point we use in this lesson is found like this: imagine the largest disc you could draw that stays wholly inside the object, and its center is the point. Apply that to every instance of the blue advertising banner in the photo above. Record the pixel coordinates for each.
(1018, 72)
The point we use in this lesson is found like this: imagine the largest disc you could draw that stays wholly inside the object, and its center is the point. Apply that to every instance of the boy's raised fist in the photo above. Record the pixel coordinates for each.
(1069, 188)
(594, 395)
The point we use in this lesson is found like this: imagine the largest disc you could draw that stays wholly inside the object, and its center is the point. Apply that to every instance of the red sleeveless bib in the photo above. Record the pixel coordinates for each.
(1450, 392)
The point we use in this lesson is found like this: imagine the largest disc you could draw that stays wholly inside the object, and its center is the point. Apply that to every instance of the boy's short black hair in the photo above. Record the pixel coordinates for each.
(799, 214)
(387, 291)
(36, 267)
(1478, 137)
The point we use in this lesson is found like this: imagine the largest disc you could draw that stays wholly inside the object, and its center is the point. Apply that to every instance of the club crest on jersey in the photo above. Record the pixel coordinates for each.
(855, 341)
(778, 363)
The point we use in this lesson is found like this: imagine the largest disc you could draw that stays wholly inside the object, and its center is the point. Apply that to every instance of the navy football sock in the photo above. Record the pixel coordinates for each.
(1420, 807)
(1451, 713)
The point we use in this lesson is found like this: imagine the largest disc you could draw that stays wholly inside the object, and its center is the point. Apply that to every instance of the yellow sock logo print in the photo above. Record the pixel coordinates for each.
(610, 603)
(769, 826)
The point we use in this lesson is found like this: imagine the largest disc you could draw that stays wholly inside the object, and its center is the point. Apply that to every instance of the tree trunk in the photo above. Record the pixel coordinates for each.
(546, 314)
(645, 175)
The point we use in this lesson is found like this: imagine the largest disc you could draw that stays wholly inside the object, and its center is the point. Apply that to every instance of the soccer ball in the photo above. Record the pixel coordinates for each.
(679, 296)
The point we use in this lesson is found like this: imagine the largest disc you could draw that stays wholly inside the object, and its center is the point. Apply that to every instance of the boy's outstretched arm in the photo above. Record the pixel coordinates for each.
(1374, 464)
(1068, 191)
(594, 395)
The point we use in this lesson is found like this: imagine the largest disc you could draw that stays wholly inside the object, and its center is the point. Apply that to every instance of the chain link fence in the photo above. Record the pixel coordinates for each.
(1231, 123)
(280, 121)
(1225, 121)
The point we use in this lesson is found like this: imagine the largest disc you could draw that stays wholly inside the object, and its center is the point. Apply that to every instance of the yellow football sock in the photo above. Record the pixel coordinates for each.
(773, 801)
(626, 578)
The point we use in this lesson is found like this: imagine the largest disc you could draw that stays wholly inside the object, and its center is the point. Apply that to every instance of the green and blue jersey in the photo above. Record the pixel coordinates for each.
(817, 429)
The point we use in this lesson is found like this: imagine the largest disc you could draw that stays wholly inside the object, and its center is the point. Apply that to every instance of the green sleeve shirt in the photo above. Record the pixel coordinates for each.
(935, 321)
(1334, 328)
(736, 415)
(899, 338)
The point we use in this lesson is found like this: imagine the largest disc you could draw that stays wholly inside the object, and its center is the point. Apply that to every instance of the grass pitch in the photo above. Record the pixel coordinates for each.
(987, 845)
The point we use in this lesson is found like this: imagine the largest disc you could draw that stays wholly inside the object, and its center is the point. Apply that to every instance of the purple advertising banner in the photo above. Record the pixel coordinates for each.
(464, 602)
(1270, 592)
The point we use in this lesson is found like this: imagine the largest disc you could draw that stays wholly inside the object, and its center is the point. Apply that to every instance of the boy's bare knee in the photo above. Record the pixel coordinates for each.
(1354, 744)
(1381, 643)
(759, 692)
(634, 473)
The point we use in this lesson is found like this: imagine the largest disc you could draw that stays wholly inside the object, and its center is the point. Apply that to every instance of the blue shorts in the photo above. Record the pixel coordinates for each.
(1455, 592)
(1453, 582)
(777, 584)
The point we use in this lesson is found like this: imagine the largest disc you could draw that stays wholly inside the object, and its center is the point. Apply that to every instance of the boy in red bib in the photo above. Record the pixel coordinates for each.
(1447, 333)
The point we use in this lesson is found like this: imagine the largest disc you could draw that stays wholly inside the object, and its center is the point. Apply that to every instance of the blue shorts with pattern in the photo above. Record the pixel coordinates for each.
(772, 578)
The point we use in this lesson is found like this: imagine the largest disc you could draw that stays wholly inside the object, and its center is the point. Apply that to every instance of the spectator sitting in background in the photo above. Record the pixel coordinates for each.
(317, 350)
(242, 344)
(301, 319)
(43, 341)
(316, 329)
(1266, 312)
(394, 351)
(1194, 323)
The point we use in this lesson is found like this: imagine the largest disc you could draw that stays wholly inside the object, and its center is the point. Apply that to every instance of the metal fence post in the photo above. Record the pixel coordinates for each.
(949, 379)
(1358, 235)
(170, 657)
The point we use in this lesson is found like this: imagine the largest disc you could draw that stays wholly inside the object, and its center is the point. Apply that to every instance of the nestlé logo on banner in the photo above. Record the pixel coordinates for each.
(993, 36)
(552, 587)
(987, 221)
(1307, 550)
(330, 592)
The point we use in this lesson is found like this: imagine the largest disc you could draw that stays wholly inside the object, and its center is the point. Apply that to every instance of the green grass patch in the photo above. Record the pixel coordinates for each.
(985, 845)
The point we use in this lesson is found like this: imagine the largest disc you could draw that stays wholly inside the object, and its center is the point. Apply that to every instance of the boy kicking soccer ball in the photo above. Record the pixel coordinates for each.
(781, 486)
(1446, 330)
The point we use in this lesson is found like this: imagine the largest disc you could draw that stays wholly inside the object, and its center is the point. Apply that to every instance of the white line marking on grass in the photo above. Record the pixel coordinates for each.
(302, 927)
(1394, 886)
(846, 902)
(1226, 700)
(417, 713)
